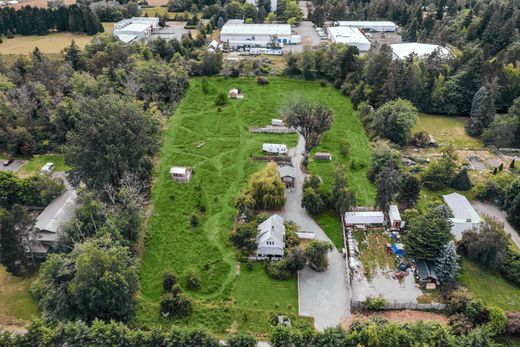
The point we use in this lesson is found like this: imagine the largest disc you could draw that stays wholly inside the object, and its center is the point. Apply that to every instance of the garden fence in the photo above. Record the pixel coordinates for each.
(404, 306)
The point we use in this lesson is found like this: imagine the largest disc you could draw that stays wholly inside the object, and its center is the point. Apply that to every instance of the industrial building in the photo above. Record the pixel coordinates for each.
(238, 35)
(135, 29)
(350, 36)
(421, 50)
(373, 26)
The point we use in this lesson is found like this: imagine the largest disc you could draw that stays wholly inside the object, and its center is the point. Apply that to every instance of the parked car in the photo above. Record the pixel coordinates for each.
(47, 169)
(8, 161)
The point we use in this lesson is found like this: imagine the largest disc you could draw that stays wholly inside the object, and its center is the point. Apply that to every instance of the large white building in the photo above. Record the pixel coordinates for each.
(237, 34)
(374, 26)
(136, 28)
(364, 218)
(270, 241)
(350, 36)
(422, 50)
(464, 215)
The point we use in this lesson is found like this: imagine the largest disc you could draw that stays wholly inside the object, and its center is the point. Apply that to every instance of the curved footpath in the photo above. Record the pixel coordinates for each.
(322, 295)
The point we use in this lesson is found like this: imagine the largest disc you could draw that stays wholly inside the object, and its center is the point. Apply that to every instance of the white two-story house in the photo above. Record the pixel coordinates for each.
(270, 241)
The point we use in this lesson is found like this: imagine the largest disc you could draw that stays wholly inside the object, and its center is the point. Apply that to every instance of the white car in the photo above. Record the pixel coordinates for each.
(47, 169)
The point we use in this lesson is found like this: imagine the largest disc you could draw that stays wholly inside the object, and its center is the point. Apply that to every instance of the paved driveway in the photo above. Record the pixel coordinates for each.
(322, 295)
(493, 211)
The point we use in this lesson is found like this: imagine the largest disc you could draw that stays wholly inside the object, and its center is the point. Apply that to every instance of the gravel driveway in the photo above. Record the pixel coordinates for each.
(322, 295)
(493, 211)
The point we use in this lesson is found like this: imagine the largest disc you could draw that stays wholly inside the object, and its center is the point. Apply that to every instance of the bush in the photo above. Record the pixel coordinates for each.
(497, 320)
(169, 280)
(241, 340)
(458, 299)
(460, 324)
(262, 81)
(192, 280)
(421, 139)
(221, 99)
(278, 270)
(176, 305)
(374, 303)
(194, 220)
(345, 148)
(477, 312)
(511, 267)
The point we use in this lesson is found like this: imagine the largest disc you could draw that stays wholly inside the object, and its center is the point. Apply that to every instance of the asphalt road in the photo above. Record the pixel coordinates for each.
(322, 295)
(493, 211)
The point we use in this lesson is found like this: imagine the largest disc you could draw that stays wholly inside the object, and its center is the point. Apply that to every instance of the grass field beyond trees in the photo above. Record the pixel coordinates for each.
(222, 166)
(447, 130)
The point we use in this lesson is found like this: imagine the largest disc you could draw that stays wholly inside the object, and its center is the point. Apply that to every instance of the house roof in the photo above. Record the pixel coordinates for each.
(272, 228)
(403, 50)
(461, 208)
(348, 35)
(58, 212)
(286, 171)
(364, 217)
(234, 28)
(425, 270)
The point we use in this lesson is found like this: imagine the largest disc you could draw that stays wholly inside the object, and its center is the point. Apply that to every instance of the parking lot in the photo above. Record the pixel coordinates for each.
(172, 30)
(13, 167)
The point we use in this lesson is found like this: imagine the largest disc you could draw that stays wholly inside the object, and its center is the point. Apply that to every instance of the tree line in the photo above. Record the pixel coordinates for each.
(40, 21)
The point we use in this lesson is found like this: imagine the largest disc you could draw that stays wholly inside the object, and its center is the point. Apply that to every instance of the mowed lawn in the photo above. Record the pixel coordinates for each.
(447, 130)
(51, 43)
(16, 303)
(254, 290)
(346, 127)
(34, 165)
(489, 286)
(331, 225)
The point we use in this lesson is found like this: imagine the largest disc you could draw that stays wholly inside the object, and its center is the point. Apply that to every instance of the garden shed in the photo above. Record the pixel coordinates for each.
(322, 156)
(181, 173)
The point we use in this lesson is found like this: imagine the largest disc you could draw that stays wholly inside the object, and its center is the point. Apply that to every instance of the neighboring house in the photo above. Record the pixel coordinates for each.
(395, 217)
(275, 148)
(49, 222)
(288, 175)
(135, 29)
(464, 215)
(322, 156)
(350, 36)
(364, 218)
(181, 173)
(402, 51)
(238, 35)
(374, 26)
(425, 274)
(270, 240)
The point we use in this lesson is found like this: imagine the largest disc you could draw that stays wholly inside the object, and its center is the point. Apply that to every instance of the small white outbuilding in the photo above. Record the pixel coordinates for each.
(367, 218)
(181, 173)
(274, 148)
(395, 217)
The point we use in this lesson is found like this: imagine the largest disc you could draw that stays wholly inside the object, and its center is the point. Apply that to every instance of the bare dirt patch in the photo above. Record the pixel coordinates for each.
(403, 316)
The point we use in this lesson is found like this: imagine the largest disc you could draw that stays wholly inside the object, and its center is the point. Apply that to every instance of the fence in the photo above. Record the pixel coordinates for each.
(273, 130)
(404, 306)
(277, 159)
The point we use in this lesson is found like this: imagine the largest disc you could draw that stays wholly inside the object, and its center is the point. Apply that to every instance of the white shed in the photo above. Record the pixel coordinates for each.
(276, 122)
(395, 217)
(276, 148)
(364, 218)
(181, 173)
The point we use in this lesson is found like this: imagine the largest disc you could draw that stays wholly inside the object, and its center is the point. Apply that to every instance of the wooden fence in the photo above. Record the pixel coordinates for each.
(404, 306)
(277, 159)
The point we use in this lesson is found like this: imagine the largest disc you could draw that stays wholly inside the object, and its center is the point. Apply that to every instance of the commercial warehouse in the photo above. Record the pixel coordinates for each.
(374, 26)
(136, 28)
(349, 36)
(422, 50)
(236, 34)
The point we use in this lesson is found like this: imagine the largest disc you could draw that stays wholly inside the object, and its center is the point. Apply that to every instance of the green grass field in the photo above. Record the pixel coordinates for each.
(52, 43)
(447, 130)
(331, 225)
(34, 164)
(491, 287)
(346, 126)
(254, 290)
(16, 303)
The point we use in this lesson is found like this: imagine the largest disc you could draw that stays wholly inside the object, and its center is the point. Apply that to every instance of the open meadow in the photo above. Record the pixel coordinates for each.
(52, 43)
(218, 145)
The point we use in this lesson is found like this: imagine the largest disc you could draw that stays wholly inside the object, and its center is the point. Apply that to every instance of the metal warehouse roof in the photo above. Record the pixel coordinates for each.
(364, 217)
(461, 208)
(256, 29)
(344, 34)
(59, 211)
(403, 50)
(367, 24)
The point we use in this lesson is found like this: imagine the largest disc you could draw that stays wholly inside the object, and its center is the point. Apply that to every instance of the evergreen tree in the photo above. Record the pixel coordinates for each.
(387, 184)
(73, 56)
(37, 55)
(447, 264)
(482, 112)
(427, 235)
(341, 197)
(462, 181)
(409, 190)
(76, 24)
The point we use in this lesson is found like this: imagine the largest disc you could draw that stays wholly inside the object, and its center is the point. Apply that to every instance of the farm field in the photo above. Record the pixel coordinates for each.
(491, 287)
(17, 306)
(217, 144)
(52, 43)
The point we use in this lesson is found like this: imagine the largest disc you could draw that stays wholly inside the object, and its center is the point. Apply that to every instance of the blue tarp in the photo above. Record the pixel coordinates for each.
(398, 249)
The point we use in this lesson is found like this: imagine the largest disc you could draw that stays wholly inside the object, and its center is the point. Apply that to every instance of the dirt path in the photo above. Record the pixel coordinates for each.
(403, 316)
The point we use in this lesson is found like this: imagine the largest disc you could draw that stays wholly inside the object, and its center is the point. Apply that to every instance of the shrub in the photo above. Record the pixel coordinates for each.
(477, 312)
(241, 340)
(511, 267)
(176, 305)
(421, 139)
(169, 280)
(345, 148)
(374, 303)
(192, 280)
(278, 270)
(221, 99)
(458, 300)
(194, 220)
(460, 324)
(497, 320)
(262, 81)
